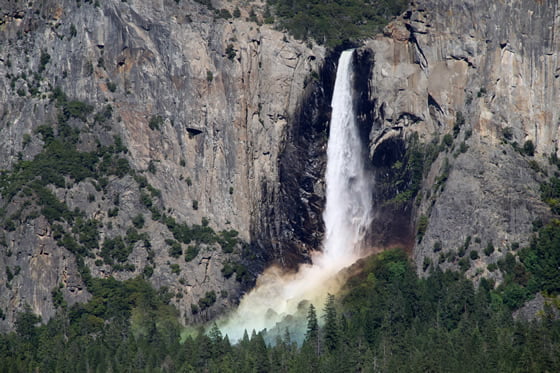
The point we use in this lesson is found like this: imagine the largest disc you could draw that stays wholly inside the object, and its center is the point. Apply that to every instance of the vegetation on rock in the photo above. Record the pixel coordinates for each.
(336, 21)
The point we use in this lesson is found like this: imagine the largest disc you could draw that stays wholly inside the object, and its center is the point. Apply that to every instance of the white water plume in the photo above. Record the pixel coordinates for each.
(347, 216)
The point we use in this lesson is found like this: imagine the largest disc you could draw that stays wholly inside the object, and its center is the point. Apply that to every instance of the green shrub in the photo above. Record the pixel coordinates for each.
(148, 271)
(464, 264)
(474, 255)
(529, 148)
(336, 21)
(44, 60)
(447, 140)
(113, 212)
(459, 122)
(138, 221)
(507, 133)
(145, 199)
(194, 309)
(228, 270)
(111, 86)
(76, 109)
(115, 249)
(191, 253)
(422, 226)
(230, 52)
(104, 115)
(489, 249)
(9, 225)
(155, 122)
(151, 167)
(175, 250)
(427, 263)
(208, 300)
(224, 13)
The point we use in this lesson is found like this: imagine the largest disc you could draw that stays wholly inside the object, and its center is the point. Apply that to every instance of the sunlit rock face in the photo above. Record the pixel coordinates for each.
(225, 94)
(490, 70)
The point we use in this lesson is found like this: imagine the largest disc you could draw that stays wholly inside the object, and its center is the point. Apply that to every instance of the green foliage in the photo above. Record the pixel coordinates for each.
(155, 122)
(191, 253)
(312, 333)
(241, 273)
(335, 21)
(385, 315)
(111, 86)
(331, 333)
(224, 13)
(447, 140)
(207, 301)
(138, 221)
(58, 297)
(115, 249)
(148, 271)
(550, 193)
(175, 249)
(60, 162)
(529, 148)
(113, 212)
(151, 167)
(44, 60)
(426, 263)
(74, 109)
(408, 175)
(208, 3)
(507, 133)
(489, 249)
(459, 122)
(464, 264)
(104, 115)
(87, 232)
(542, 260)
(421, 228)
(9, 225)
(230, 52)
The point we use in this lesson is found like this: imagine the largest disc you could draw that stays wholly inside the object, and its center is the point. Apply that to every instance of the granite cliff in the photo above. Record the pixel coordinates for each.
(196, 101)
(205, 133)
(461, 118)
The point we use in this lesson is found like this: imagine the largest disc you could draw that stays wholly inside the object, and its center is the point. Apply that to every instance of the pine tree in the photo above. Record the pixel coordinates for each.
(312, 335)
(331, 332)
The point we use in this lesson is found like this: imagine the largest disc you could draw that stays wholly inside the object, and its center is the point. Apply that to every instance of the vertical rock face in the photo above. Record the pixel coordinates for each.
(205, 107)
(466, 84)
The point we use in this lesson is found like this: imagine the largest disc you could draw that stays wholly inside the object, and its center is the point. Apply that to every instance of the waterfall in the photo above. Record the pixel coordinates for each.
(347, 211)
(279, 298)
